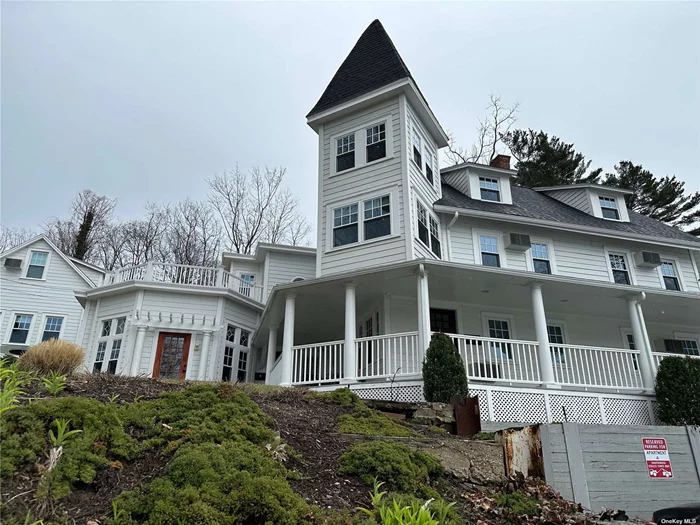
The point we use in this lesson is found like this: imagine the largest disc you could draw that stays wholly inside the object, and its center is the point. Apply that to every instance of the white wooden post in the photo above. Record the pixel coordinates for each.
(138, 349)
(219, 277)
(647, 342)
(271, 352)
(149, 271)
(423, 294)
(350, 354)
(645, 358)
(204, 359)
(544, 356)
(288, 339)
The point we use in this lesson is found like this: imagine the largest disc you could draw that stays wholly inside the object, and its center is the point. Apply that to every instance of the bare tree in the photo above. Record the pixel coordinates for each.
(11, 237)
(194, 235)
(146, 239)
(489, 133)
(254, 207)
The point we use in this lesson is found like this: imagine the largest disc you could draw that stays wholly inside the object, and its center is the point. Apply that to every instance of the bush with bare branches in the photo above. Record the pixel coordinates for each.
(54, 355)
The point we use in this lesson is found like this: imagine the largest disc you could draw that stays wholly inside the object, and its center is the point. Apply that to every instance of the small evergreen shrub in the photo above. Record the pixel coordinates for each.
(341, 396)
(54, 355)
(368, 422)
(678, 391)
(518, 505)
(444, 375)
(396, 464)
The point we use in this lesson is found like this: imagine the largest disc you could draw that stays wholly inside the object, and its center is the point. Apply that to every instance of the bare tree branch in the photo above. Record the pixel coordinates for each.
(11, 237)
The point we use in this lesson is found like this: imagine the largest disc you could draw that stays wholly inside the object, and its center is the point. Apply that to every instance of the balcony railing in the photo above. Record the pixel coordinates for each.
(205, 276)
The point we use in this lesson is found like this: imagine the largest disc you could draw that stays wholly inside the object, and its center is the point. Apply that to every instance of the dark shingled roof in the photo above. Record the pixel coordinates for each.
(373, 63)
(535, 205)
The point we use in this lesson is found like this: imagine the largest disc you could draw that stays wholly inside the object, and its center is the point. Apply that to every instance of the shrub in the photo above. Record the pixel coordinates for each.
(396, 464)
(443, 371)
(678, 391)
(518, 504)
(341, 396)
(53, 355)
(368, 422)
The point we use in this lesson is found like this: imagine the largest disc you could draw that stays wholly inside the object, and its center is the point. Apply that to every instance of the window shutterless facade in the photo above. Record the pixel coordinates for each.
(620, 270)
(37, 264)
(540, 258)
(52, 328)
(417, 148)
(423, 232)
(345, 225)
(20, 328)
(111, 335)
(490, 256)
(608, 207)
(428, 165)
(435, 237)
(376, 142)
(682, 346)
(246, 284)
(428, 229)
(489, 189)
(499, 329)
(670, 277)
(376, 221)
(345, 152)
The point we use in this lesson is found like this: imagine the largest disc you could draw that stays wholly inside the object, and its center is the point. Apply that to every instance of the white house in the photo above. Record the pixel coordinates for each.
(560, 300)
(37, 294)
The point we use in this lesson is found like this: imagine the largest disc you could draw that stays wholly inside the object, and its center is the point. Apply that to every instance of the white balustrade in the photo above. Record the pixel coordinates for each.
(130, 273)
(387, 355)
(317, 363)
(594, 366)
(243, 287)
(493, 359)
(660, 356)
(184, 274)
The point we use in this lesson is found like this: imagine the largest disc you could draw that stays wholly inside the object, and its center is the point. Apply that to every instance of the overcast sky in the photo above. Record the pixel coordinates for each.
(144, 101)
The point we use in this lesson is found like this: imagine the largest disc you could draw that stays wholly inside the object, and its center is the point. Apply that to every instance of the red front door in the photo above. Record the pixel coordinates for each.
(171, 356)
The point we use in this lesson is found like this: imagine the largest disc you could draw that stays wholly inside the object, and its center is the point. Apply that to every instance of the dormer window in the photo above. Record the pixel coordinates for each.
(417, 158)
(489, 189)
(428, 165)
(345, 153)
(376, 142)
(608, 207)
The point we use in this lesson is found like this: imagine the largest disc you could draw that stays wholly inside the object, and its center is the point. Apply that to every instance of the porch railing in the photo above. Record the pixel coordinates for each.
(595, 366)
(660, 356)
(317, 363)
(388, 355)
(492, 359)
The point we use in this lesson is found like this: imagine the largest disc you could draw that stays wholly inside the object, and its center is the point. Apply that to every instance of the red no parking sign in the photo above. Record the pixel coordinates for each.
(658, 461)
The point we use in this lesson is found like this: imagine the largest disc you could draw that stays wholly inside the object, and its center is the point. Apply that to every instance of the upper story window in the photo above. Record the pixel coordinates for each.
(620, 270)
(376, 142)
(423, 234)
(435, 237)
(490, 256)
(417, 158)
(111, 335)
(246, 284)
(37, 265)
(540, 258)
(377, 217)
(608, 207)
(428, 165)
(489, 189)
(345, 153)
(20, 328)
(670, 277)
(52, 328)
(345, 225)
(682, 346)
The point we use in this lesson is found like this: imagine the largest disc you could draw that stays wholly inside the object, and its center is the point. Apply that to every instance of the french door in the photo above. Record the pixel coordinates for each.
(171, 356)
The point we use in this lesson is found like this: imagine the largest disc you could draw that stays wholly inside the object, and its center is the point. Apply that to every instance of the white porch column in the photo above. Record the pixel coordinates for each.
(138, 350)
(204, 359)
(423, 314)
(149, 271)
(288, 339)
(646, 366)
(544, 356)
(271, 351)
(645, 333)
(350, 355)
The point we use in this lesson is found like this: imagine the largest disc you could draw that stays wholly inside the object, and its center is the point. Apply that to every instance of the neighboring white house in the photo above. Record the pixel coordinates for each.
(561, 301)
(38, 283)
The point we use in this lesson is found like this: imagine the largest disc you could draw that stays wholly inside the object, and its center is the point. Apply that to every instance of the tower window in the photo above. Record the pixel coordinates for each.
(417, 158)
(377, 217)
(428, 165)
(376, 142)
(345, 153)
(345, 225)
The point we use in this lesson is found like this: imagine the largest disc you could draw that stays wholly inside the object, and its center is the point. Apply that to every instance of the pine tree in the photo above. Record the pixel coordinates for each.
(443, 371)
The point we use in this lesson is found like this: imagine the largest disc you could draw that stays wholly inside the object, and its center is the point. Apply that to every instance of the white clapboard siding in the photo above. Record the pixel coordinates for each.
(417, 178)
(284, 267)
(575, 198)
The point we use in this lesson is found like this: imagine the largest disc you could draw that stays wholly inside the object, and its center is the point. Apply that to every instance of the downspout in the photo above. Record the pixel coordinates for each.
(449, 236)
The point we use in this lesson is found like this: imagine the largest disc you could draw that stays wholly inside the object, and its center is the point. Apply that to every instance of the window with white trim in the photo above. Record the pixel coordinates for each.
(682, 346)
(428, 165)
(608, 207)
(540, 257)
(110, 340)
(499, 329)
(37, 264)
(20, 328)
(490, 256)
(435, 237)
(417, 157)
(345, 152)
(243, 342)
(489, 188)
(345, 225)
(670, 277)
(229, 352)
(620, 270)
(377, 219)
(376, 142)
(52, 328)
(423, 231)
(246, 284)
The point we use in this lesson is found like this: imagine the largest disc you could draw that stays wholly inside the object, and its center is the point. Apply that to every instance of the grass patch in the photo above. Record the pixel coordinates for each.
(368, 422)
(484, 436)
(519, 504)
(341, 396)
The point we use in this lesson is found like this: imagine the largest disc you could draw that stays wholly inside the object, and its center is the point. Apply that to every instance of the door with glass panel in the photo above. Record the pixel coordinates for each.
(171, 356)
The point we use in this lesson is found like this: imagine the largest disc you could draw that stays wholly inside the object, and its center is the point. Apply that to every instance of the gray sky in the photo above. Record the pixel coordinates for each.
(144, 101)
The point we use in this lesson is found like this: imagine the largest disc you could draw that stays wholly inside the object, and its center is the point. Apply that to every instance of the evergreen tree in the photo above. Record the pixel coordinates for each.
(443, 371)
(544, 161)
(81, 239)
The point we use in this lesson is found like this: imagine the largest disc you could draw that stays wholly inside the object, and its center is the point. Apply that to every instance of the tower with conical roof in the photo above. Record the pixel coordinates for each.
(378, 162)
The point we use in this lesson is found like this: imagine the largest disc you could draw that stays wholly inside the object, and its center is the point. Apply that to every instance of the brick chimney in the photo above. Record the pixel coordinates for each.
(501, 161)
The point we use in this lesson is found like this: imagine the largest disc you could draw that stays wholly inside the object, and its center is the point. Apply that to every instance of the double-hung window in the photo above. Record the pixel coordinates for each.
(109, 345)
(668, 272)
(37, 265)
(682, 346)
(540, 258)
(620, 270)
(20, 328)
(345, 225)
(423, 228)
(435, 237)
(608, 207)
(345, 153)
(489, 189)
(555, 333)
(499, 329)
(52, 328)
(428, 165)
(377, 221)
(490, 256)
(376, 142)
(229, 351)
(417, 157)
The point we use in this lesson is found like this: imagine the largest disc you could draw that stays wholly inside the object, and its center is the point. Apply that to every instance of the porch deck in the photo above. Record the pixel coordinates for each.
(488, 360)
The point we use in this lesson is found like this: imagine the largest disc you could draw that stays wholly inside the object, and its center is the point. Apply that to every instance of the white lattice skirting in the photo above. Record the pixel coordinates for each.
(527, 405)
